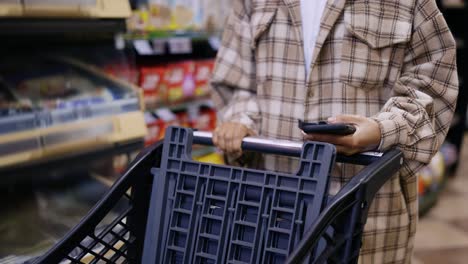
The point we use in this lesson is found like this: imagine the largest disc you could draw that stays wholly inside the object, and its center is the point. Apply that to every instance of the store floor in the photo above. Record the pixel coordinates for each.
(442, 235)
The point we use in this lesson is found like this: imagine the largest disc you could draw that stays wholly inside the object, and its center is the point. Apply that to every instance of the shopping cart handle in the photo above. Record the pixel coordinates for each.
(284, 147)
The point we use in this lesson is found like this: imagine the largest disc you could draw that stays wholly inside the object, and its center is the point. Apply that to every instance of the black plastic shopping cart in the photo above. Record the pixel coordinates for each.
(177, 210)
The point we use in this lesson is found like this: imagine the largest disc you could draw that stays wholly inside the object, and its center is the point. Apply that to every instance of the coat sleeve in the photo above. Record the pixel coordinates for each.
(233, 81)
(418, 115)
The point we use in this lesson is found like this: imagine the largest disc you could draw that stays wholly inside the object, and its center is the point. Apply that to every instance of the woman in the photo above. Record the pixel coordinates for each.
(386, 66)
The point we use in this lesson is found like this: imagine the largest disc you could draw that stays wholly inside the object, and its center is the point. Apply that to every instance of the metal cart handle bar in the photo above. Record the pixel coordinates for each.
(285, 148)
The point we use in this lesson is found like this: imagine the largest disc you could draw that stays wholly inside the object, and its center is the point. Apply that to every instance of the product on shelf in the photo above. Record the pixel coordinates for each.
(175, 82)
(180, 81)
(50, 84)
(213, 158)
(116, 9)
(183, 13)
(157, 121)
(180, 15)
(152, 81)
(203, 70)
(54, 106)
(205, 120)
(430, 178)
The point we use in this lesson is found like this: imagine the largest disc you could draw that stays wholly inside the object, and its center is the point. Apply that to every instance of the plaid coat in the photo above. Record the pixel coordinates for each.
(391, 60)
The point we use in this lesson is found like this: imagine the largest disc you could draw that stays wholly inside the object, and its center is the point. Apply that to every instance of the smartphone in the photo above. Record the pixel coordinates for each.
(322, 127)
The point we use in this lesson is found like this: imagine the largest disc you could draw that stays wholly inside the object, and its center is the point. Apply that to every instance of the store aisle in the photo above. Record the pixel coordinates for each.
(442, 235)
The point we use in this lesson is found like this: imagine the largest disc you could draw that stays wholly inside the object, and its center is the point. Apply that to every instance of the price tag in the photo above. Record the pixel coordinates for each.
(143, 47)
(159, 46)
(165, 114)
(180, 45)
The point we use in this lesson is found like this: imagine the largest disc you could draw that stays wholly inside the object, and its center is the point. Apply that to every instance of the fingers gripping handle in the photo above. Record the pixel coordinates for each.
(282, 147)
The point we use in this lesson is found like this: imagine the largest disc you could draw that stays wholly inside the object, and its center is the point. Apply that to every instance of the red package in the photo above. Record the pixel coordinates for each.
(203, 71)
(183, 119)
(205, 121)
(180, 83)
(155, 127)
(152, 81)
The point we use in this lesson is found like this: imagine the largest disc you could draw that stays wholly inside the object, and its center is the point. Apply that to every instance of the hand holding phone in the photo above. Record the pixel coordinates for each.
(322, 127)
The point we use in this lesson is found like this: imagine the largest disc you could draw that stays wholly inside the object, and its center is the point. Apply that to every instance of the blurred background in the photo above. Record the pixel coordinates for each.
(86, 84)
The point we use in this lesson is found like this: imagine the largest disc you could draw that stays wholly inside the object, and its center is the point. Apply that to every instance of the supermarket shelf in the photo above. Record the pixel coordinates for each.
(52, 26)
(179, 106)
(161, 34)
(45, 145)
(173, 43)
(68, 161)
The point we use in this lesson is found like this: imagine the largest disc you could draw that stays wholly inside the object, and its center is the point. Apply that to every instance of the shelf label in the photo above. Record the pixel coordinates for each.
(143, 47)
(159, 46)
(180, 45)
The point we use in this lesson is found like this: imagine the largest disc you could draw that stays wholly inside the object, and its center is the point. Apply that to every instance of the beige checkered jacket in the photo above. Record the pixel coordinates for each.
(392, 60)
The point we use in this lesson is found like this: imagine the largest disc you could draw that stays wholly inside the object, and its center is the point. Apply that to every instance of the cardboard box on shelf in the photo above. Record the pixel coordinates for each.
(215, 13)
(200, 15)
(10, 8)
(183, 13)
(65, 9)
(203, 70)
(205, 120)
(152, 81)
(180, 81)
(157, 122)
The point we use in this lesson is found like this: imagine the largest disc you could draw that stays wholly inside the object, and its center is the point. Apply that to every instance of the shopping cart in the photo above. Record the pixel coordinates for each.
(182, 211)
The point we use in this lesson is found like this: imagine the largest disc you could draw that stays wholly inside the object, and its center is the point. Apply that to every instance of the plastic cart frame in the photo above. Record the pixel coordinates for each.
(122, 241)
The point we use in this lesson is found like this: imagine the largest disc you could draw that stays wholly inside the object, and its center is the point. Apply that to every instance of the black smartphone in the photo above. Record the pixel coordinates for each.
(322, 127)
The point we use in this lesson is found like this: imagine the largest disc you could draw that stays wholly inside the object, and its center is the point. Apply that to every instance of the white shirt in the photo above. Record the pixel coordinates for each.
(311, 12)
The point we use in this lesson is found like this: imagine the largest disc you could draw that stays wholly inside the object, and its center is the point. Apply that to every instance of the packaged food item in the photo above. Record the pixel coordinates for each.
(205, 120)
(157, 121)
(180, 81)
(152, 81)
(203, 71)
(154, 125)
(215, 13)
(183, 118)
(160, 14)
(204, 15)
(139, 19)
(213, 158)
(183, 13)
